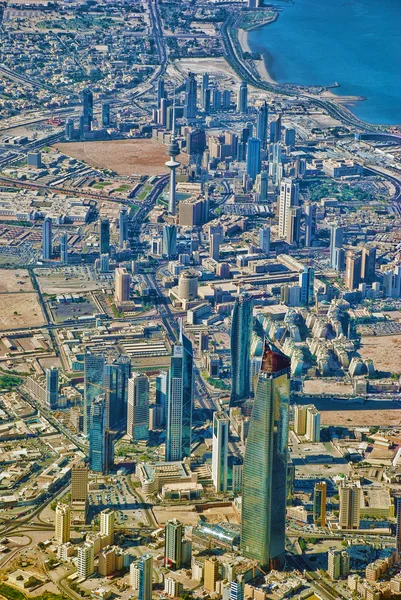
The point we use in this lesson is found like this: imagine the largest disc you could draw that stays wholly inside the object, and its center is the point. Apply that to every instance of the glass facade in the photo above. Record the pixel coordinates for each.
(241, 331)
(93, 378)
(97, 435)
(265, 465)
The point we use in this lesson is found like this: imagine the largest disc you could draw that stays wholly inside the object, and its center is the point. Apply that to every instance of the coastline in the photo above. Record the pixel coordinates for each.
(260, 65)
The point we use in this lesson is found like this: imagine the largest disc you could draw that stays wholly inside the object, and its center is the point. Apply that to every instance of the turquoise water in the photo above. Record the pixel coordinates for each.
(356, 43)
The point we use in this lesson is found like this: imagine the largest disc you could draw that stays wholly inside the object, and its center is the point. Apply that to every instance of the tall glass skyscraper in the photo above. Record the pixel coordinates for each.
(241, 331)
(264, 490)
(173, 544)
(52, 387)
(262, 123)
(47, 238)
(115, 379)
(221, 427)
(253, 160)
(190, 97)
(145, 566)
(179, 401)
(93, 379)
(98, 455)
(104, 236)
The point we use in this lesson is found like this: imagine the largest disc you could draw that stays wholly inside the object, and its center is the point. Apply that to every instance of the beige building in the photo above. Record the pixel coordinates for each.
(122, 285)
(62, 523)
(107, 562)
(210, 573)
(79, 483)
(350, 504)
(300, 419)
(107, 524)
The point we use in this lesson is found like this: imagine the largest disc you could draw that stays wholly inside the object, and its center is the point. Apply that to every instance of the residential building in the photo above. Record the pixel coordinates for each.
(312, 424)
(86, 558)
(122, 285)
(145, 566)
(62, 523)
(350, 504)
(289, 199)
(210, 573)
(107, 519)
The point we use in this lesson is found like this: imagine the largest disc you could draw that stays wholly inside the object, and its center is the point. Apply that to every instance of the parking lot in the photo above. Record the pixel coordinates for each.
(128, 507)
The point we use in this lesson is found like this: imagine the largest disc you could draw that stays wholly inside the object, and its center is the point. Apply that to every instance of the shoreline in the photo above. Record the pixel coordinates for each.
(260, 65)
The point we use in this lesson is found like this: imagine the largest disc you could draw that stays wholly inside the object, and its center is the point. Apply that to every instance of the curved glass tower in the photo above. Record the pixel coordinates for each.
(265, 465)
(241, 331)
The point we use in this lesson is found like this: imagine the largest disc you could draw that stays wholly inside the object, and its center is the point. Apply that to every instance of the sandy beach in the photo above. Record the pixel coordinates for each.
(259, 64)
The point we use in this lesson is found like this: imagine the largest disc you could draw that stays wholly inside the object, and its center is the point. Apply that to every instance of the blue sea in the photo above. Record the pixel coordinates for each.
(356, 43)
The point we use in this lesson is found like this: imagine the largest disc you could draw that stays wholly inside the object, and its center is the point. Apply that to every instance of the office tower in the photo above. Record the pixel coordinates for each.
(69, 129)
(310, 223)
(397, 510)
(319, 503)
(253, 160)
(105, 114)
(93, 383)
(208, 101)
(169, 241)
(34, 159)
(289, 139)
(204, 87)
(262, 186)
(264, 487)
(350, 504)
(216, 99)
(237, 588)
(312, 424)
(210, 573)
(87, 109)
(62, 523)
(392, 282)
(262, 119)
(264, 239)
(116, 374)
(226, 99)
(123, 227)
(275, 130)
(241, 331)
(100, 443)
(86, 558)
(122, 284)
(107, 519)
(306, 283)
(52, 387)
(104, 236)
(368, 264)
(145, 566)
(161, 394)
(47, 238)
(179, 401)
(79, 484)
(138, 407)
(190, 97)
(221, 428)
(160, 91)
(336, 242)
(353, 270)
(242, 102)
(289, 198)
(173, 544)
(64, 248)
(293, 225)
(162, 112)
(214, 246)
(196, 142)
(276, 164)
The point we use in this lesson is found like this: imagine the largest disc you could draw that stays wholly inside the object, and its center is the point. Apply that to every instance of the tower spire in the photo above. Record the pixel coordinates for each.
(173, 164)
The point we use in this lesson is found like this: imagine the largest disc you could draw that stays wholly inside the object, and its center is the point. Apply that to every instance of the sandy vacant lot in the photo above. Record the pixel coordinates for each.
(384, 351)
(324, 386)
(15, 281)
(56, 284)
(20, 310)
(125, 157)
(355, 418)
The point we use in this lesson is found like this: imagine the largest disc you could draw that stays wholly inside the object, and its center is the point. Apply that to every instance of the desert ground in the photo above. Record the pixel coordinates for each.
(20, 310)
(361, 418)
(15, 281)
(385, 352)
(125, 157)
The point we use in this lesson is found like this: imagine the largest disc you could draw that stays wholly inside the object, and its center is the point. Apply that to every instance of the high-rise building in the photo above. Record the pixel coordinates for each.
(241, 331)
(242, 102)
(47, 238)
(310, 223)
(161, 394)
(262, 183)
(87, 109)
(160, 90)
(64, 248)
(300, 419)
(289, 139)
(123, 226)
(52, 387)
(262, 123)
(107, 562)
(264, 240)
(216, 99)
(275, 130)
(179, 401)
(62, 523)
(79, 484)
(392, 282)
(107, 527)
(336, 242)
(338, 564)
(86, 557)
(319, 503)
(397, 510)
(138, 407)
(190, 97)
(116, 374)
(264, 488)
(122, 285)
(173, 544)
(368, 265)
(306, 284)
(93, 383)
(169, 241)
(105, 114)
(145, 566)
(204, 87)
(237, 588)
(312, 424)
(210, 574)
(221, 427)
(253, 160)
(353, 270)
(350, 504)
(293, 225)
(289, 198)
(214, 243)
(100, 443)
(104, 236)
